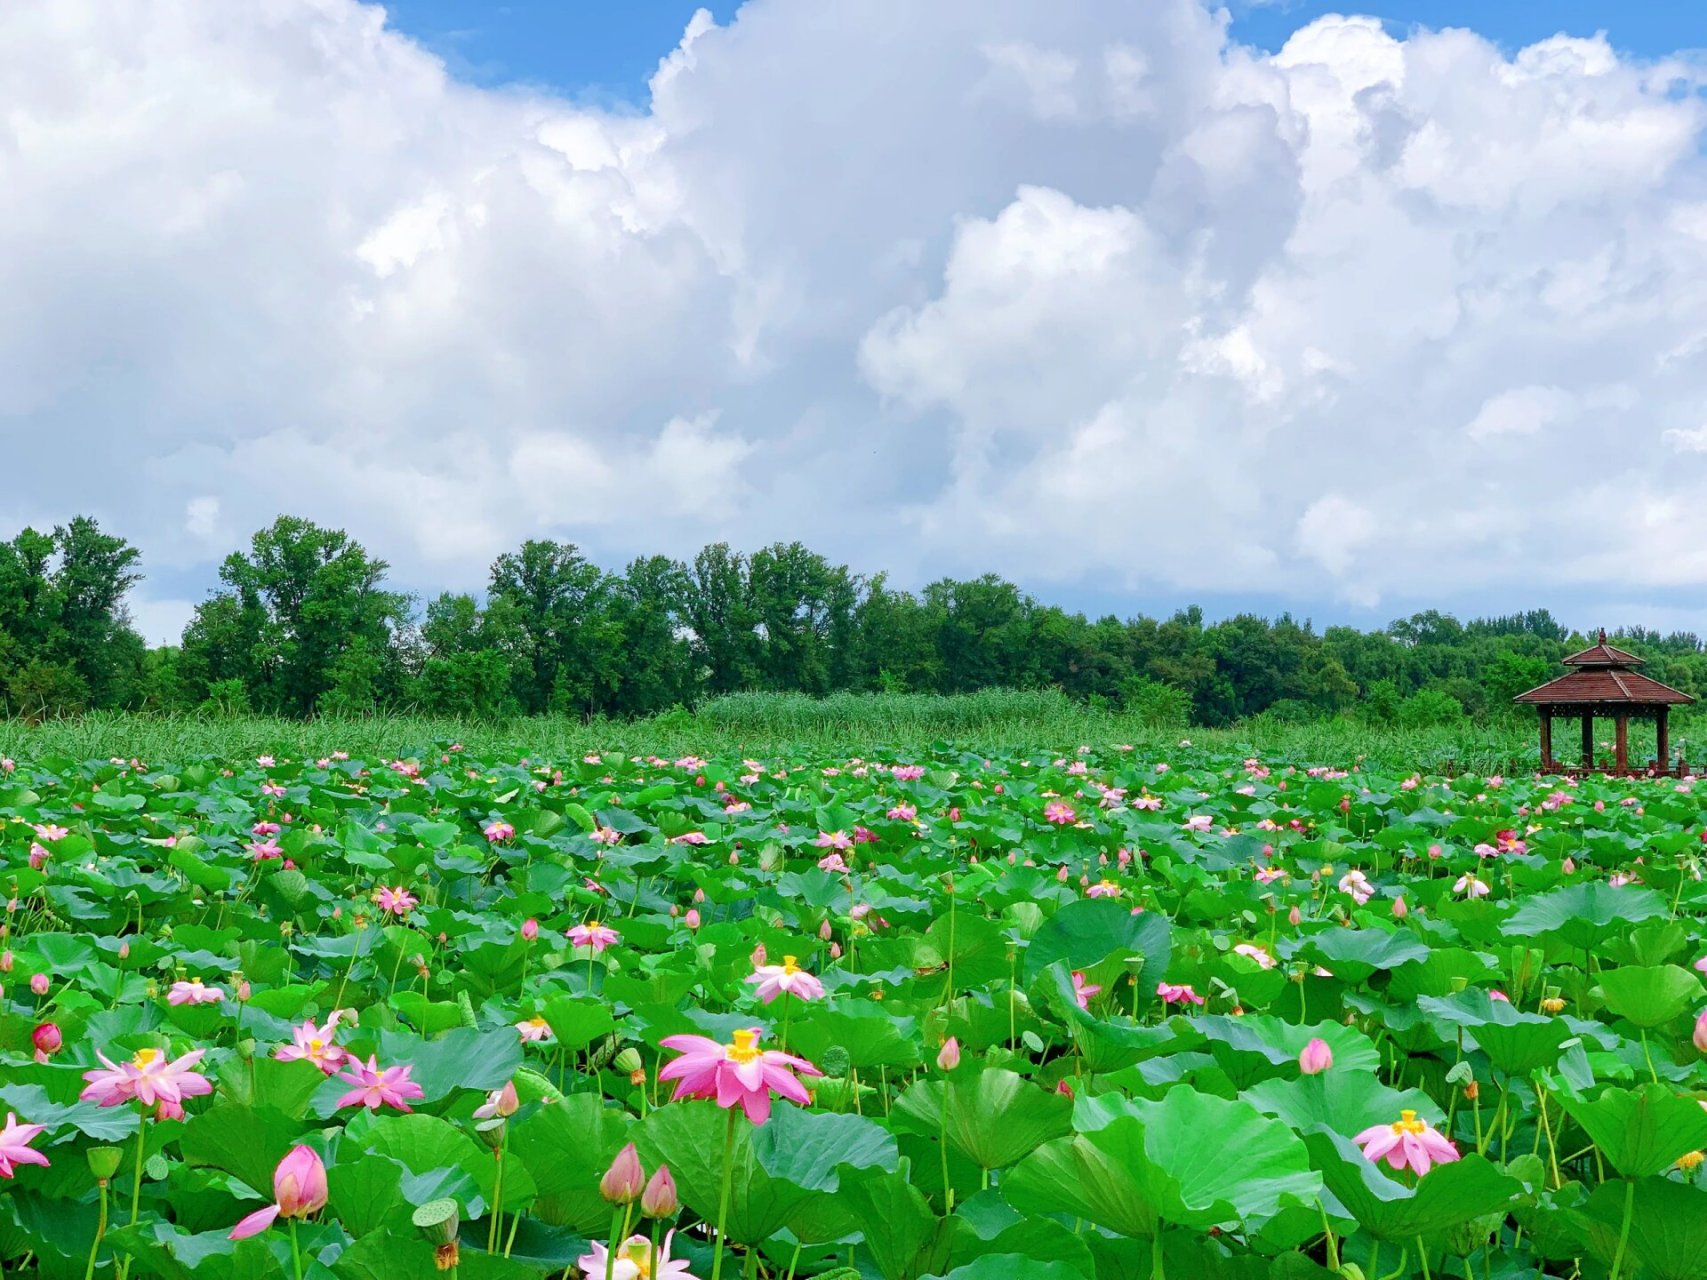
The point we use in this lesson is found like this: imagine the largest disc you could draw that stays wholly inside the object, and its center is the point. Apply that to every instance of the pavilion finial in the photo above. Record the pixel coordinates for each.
(1603, 635)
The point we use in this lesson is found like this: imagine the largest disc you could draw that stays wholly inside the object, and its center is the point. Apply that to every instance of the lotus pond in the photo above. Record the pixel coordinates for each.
(985, 1016)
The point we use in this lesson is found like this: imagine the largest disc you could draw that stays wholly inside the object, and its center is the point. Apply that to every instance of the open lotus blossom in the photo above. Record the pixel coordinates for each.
(773, 980)
(834, 863)
(1357, 885)
(194, 992)
(1171, 993)
(834, 840)
(534, 1029)
(311, 1043)
(497, 831)
(391, 1087)
(1082, 991)
(1198, 822)
(634, 1260)
(735, 1074)
(1103, 889)
(15, 1146)
(398, 901)
(1059, 812)
(150, 1078)
(595, 935)
(1470, 886)
(299, 1189)
(1406, 1143)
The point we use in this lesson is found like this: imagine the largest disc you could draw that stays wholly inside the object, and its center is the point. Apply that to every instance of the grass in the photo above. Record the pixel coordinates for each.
(767, 724)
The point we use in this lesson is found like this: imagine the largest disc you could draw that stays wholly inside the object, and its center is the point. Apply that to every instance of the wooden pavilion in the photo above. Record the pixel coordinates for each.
(1603, 681)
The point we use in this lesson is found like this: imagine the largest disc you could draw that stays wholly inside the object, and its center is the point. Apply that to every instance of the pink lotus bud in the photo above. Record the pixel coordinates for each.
(759, 956)
(47, 1040)
(835, 951)
(698, 896)
(1061, 873)
(625, 1179)
(1400, 910)
(954, 814)
(1294, 916)
(124, 951)
(659, 1199)
(948, 1057)
(1701, 1032)
(1568, 866)
(38, 983)
(824, 930)
(1316, 1057)
(299, 1183)
(6, 962)
(243, 991)
(692, 918)
(530, 930)
(1063, 1088)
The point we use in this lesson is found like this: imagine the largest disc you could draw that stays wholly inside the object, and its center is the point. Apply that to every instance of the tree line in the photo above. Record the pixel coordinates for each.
(304, 623)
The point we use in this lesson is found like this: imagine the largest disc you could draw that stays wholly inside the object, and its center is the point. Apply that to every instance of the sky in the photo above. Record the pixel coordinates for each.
(1139, 304)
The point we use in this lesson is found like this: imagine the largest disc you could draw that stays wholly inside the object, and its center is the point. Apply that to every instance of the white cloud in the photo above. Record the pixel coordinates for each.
(1071, 291)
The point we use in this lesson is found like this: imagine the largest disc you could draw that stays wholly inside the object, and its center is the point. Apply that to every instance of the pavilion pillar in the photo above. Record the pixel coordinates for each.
(1662, 739)
(1588, 742)
(1621, 754)
(1547, 739)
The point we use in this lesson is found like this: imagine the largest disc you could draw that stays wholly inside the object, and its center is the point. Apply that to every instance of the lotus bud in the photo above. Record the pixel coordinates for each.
(759, 955)
(625, 1179)
(835, 951)
(299, 1183)
(1294, 916)
(47, 1040)
(948, 1058)
(698, 896)
(691, 919)
(1701, 1032)
(1063, 1088)
(1400, 910)
(659, 1199)
(824, 930)
(1316, 1057)
(530, 930)
(243, 991)
(124, 951)
(5, 962)
(38, 984)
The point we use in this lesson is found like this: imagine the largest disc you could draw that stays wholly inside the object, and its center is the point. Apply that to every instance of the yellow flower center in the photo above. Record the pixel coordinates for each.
(1691, 1161)
(639, 1252)
(789, 967)
(316, 1046)
(144, 1058)
(745, 1048)
(536, 1021)
(1408, 1123)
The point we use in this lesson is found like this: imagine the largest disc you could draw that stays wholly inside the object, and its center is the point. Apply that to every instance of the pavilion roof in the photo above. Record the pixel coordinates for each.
(1602, 655)
(1605, 685)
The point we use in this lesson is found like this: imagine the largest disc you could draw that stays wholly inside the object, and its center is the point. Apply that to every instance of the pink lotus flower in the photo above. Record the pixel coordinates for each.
(265, 850)
(47, 1040)
(606, 835)
(738, 1073)
(690, 837)
(1059, 812)
(534, 1029)
(1198, 822)
(15, 1147)
(38, 857)
(1177, 994)
(497, 831)
(1700, 1036)
(49, 832)
(833, 840)
(38, 984)
(1255, 954)
(1082, 992)
(500, 1103)
(903, 813)
(833, 862)
(595, 935)
(1357, 885)
(634, 1260)
(194, 992)
(375, 1088)
(1316, 1057)
(299, 1189)
(773, 980)
(1470, 887)
(398, 901)
(149, 1078)
(1407, 1142)
(310, 1043)
(529, 930)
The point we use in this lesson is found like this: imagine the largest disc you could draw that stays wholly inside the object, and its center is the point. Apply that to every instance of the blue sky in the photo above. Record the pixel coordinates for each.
(608, 48)
(1059, 289)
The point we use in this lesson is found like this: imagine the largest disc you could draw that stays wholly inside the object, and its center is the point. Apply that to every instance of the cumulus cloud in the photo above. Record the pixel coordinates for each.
(1085, 293)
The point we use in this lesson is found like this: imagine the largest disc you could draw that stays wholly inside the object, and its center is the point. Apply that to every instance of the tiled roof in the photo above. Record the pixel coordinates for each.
(1605, 685)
